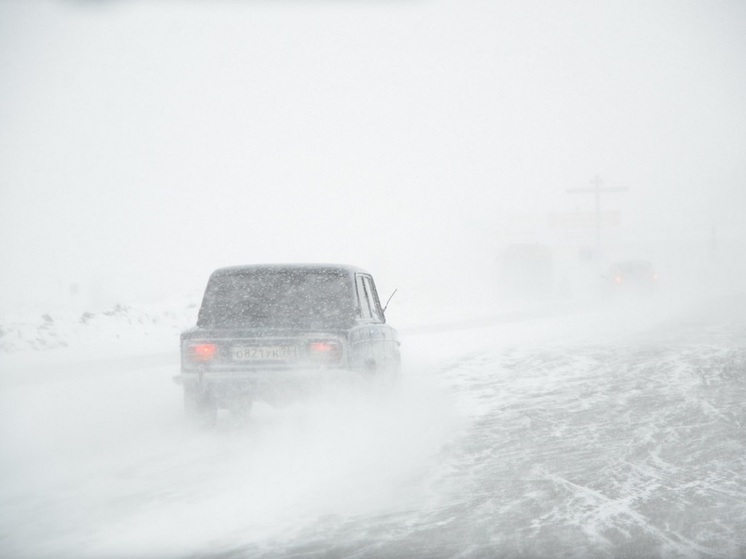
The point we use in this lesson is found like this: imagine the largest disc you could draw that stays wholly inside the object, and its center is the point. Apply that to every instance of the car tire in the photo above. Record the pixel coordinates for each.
(200, 407)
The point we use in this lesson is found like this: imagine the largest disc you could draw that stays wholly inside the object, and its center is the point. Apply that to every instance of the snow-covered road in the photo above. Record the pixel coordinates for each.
(596, 434)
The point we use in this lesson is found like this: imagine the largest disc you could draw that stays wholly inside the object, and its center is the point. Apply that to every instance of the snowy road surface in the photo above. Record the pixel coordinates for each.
(597, 434)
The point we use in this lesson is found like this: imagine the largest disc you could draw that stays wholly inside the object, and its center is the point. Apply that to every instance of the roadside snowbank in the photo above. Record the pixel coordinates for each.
(132, 328)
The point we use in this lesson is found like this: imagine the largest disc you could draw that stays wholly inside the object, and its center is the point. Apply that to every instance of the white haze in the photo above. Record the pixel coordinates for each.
(143, 144)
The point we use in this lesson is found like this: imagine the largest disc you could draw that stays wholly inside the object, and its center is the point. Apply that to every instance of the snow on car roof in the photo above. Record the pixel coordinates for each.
(347, 269)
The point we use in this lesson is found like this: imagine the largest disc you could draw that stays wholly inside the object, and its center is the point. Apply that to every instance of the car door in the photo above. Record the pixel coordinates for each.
(378, 345)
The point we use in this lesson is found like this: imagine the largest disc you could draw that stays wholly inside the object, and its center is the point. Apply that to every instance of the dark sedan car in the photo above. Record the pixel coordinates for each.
(274, 332)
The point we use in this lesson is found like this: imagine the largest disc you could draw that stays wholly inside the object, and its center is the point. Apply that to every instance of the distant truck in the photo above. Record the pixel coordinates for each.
(275, 332)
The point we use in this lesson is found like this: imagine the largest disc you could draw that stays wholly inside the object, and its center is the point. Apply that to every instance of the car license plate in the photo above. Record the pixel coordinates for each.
(263, 353)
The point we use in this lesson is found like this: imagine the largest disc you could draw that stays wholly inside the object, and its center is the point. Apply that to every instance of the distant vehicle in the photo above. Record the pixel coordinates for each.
(633, 277)
(275, 332)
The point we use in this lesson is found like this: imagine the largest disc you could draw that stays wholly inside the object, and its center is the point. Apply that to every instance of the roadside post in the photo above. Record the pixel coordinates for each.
(596, 190)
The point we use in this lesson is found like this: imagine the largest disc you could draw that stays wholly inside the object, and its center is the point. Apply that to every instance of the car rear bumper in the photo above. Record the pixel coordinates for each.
(269, 385)
(268, 375)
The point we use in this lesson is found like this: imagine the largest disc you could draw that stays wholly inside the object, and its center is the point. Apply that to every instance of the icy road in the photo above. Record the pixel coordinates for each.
(596, 434)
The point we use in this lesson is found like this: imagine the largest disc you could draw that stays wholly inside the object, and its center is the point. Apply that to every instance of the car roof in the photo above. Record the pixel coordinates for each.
(334, 268)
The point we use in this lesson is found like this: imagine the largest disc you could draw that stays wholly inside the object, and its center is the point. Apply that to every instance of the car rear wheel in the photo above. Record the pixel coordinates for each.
(200, 407)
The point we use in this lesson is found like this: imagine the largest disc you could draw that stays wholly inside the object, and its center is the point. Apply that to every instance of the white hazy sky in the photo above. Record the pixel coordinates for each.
(145, 143)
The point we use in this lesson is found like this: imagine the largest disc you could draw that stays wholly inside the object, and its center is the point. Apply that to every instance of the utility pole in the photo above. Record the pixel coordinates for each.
(597, 190)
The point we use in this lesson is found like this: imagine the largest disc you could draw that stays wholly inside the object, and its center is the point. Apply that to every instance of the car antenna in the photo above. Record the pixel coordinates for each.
(386, 306)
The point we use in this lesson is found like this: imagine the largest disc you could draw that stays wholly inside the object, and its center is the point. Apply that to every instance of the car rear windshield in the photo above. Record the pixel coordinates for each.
(278, 298)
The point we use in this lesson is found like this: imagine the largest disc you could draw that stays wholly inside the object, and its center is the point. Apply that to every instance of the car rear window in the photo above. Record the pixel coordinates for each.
(278, 298)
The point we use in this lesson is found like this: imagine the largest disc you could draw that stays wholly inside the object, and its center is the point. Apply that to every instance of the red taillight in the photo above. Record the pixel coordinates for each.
(324, 350)
(203, 352)
(323, 347)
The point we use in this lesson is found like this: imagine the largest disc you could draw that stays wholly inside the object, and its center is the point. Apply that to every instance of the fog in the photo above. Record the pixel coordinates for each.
(144, 144)
(440, 145)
